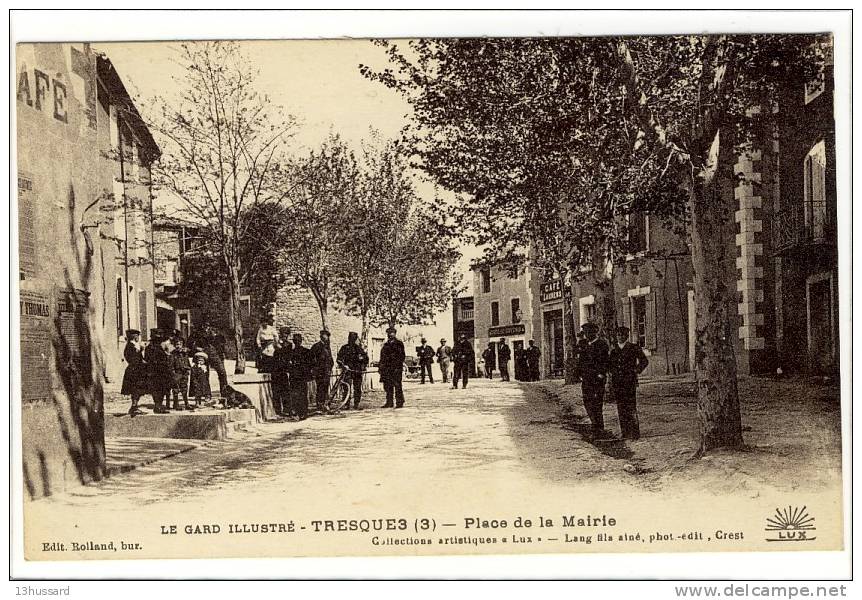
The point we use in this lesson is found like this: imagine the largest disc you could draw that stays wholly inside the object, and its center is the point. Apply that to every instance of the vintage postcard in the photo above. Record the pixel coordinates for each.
(430, 296)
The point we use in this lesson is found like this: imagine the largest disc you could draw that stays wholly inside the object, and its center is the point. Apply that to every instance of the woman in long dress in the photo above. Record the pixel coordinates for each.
(135, 376)
(267, 342)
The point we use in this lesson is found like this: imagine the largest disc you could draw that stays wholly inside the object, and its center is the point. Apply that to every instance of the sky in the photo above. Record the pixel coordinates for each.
(318, 82)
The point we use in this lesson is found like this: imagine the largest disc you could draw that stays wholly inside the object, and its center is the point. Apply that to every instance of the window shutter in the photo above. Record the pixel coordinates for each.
(651, 329)
(624, 312)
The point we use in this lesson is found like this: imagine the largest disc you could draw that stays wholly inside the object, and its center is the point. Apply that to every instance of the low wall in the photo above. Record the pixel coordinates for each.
(188, 426)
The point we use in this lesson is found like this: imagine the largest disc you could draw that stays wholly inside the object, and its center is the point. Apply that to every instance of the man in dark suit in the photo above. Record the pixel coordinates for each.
(354, 357)
(627, 361)
(321, 357)
(462, 356)
(280, 376)
(425, 354)
(391, 368)
(594, 368)
(534, 356)
(489, 358)
(299, 369)
(504, 355)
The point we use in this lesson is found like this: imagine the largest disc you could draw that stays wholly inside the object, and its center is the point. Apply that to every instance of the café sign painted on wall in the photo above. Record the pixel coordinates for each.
(551, 290)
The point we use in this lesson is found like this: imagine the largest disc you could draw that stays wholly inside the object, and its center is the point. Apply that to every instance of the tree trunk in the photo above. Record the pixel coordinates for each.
(571, 359)
(323, 308)
(366, 328)
(603, 277)
(715, 303)
(235, 317)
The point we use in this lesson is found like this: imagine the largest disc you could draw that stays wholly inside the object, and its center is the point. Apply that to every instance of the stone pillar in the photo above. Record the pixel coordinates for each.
(749, 261)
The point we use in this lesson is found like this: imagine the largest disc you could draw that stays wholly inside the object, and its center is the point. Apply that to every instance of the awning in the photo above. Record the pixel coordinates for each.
(163, 304)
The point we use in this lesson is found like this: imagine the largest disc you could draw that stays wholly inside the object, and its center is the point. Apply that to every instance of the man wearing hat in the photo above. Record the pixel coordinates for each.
(299, 370)
(425, 354)
(444, 354)
(321, 359)
(627, 361)
(135, 375)
(391, 368)
(462, 356)
(354, 357)
(594, 368)
(504, 355)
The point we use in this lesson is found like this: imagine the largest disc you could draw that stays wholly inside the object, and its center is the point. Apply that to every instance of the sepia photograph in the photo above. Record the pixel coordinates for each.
(422, 296)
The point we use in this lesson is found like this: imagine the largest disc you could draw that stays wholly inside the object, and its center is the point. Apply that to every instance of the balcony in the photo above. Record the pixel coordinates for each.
(466, 314)
(802, 226)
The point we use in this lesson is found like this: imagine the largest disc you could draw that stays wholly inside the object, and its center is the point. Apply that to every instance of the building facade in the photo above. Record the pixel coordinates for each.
(781, 194)
(503, 308)
(84, 249)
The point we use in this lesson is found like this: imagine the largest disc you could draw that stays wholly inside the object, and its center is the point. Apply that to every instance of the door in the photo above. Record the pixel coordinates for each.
(821, 349)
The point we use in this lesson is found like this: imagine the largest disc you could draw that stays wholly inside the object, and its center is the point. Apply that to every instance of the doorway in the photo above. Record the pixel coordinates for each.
(821, 334)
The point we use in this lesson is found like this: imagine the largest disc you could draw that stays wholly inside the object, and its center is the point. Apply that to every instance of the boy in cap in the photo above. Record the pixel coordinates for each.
(199, 379)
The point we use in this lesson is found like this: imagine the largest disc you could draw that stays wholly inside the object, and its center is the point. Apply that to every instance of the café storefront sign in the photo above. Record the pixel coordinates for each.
(504, 330)
(550, 291)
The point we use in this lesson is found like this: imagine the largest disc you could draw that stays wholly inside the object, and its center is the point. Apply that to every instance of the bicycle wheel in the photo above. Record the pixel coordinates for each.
(339, 396)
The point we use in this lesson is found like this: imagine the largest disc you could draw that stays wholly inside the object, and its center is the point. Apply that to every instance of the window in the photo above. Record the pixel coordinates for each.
(639, 318)
(245, 306)
(495, 313)
(466, 311)
(119, 302)
(186, 240)
(486, 280)
(638, 232)
(516, 310)
(587, 312)
(815, 192)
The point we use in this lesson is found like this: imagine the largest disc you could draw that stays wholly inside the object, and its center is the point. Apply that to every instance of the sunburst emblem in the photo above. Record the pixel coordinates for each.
(792, 523)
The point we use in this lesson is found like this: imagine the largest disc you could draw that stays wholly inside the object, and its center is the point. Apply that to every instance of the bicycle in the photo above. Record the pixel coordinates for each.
(341, 391)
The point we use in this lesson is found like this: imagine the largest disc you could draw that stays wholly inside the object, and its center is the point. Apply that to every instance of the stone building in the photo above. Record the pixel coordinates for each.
(84, 249)
(185, 308)
(781, 194)
(503, 308)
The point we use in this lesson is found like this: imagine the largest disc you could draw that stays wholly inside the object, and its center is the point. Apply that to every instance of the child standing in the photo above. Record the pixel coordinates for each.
(199, 379)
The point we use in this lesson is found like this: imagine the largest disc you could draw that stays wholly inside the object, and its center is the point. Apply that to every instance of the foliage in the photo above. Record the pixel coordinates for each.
(221, 143)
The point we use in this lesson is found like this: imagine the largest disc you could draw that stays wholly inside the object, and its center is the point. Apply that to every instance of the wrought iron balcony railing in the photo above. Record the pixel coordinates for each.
(802, 225)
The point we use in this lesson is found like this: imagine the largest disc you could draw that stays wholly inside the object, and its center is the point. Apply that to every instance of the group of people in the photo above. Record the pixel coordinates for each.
(169, 368)
(622, 363)
(301, 376)
(498, 355)
(460, 356)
